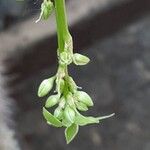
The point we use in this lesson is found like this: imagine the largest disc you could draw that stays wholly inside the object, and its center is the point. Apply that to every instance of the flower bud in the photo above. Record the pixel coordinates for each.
(84, 98)
(79, 59)
(72, 85)
(65, 58)
(46, 10)
(58, 113)
(81, 106)
(45, 87)
(70, 100)
(62, 102)
(69, 114)
(52, 100)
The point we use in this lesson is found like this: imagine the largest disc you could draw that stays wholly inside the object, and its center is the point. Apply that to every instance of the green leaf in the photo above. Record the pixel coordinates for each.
(84, 98)
(82, 120)
(52, 101)
(79, 59)
(45, 87)
(51, 119)
(69, 114)
(71, 132)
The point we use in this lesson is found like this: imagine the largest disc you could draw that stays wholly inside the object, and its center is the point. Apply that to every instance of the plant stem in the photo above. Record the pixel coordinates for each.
(62, 24)
(63, 35)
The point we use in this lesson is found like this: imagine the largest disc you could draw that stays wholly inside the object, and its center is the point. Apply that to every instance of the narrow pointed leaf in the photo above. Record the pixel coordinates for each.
(51, 119)
(83, 120)
(71, 132)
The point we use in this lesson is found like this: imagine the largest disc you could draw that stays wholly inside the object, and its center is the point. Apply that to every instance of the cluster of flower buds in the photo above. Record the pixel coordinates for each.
(68, 99)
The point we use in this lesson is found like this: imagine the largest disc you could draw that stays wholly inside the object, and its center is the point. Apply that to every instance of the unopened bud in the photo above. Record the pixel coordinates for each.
(81, 106)
(79, 59)
(69, 114)
(70, 100)
(65, 58)
(58, 113)
(52, 100)
(46, 10)
(72, 85)
(84, 98)
(45, 87)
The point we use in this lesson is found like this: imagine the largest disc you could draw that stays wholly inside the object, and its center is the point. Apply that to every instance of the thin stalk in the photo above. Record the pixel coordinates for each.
(62, 24)
(63, 34)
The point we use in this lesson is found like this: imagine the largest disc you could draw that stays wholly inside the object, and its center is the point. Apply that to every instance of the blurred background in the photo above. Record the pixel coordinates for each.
(115, 35)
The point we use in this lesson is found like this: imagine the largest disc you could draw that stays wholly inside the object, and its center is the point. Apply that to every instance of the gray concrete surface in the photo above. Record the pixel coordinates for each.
(27, 33)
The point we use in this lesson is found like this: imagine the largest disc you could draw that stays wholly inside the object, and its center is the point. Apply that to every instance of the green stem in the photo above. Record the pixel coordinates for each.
(63, 34)
(62, 24)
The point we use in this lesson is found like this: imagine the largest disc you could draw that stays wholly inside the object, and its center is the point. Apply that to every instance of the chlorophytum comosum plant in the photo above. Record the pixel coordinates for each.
(69, 99)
